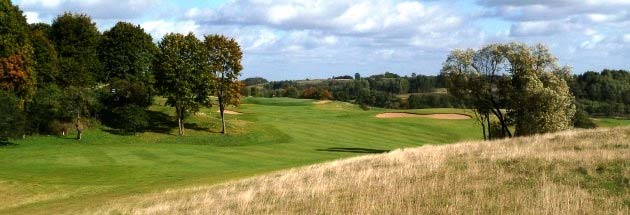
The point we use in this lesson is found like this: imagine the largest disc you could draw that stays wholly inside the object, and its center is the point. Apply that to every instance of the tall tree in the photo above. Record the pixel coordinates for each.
(76, 39)
(541, 100)
(17, 74)
(181, 74)
(225, 57)
(127, 53)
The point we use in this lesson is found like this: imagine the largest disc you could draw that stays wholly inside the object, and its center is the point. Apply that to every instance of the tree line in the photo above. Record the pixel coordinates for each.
(68, 75)
(604, 94)
(386, 90)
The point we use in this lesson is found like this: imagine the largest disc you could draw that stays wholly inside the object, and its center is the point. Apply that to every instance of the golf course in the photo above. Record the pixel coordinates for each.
(50, 174)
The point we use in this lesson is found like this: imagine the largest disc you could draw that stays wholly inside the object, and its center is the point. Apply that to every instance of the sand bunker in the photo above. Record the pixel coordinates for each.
(229, 112)
(430, 116)
(322, 102)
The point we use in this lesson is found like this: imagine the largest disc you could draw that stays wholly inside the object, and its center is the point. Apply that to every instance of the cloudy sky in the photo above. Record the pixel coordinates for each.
(295, 39)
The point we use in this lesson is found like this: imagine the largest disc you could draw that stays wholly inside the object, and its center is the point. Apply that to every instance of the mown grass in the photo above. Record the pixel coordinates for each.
(572, 172)
(51, 175)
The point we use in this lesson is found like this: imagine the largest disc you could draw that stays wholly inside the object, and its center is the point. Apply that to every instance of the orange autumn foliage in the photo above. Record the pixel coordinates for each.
(15, 75)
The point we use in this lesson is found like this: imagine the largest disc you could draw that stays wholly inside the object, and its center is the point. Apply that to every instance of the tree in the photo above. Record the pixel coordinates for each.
(225, 59)
(182, 74)
(127, 53)
(540, 96)
(76, 39)
(47, 66)
(516, 84)
(45, 108)
(17, 74)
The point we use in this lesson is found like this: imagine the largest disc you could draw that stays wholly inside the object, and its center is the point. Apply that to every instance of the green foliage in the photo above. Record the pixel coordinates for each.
(47, 66)
(12, 119)
(183, 75)
(14, 34)
(127, 52)
(76, 39)
(582, 120)
(254, 81)
(603, 94)
(525, 81)
(224, 58)
(130, 118)
(46, 108)
(432, 100)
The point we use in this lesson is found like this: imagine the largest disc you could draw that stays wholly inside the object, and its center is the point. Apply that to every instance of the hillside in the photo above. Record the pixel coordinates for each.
(573, 172)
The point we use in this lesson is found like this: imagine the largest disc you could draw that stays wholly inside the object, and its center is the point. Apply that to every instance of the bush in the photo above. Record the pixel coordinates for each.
(582, 120)
(129, 119)
(12, 118)
(496, 131)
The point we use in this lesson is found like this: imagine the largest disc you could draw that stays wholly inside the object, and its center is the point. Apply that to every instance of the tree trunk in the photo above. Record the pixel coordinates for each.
(489, 126)
(79, 127)
(180, 122)
(222, 110)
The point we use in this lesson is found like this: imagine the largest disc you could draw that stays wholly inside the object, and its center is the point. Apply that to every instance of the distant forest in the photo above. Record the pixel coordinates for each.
(605, 93)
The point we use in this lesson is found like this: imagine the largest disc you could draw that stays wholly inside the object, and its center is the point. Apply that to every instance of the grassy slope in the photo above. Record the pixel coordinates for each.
(573, 172)
(53, 174)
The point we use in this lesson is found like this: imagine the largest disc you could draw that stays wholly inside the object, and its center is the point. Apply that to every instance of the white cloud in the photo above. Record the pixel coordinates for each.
(32, 17)
(159, 28)
(97, 9)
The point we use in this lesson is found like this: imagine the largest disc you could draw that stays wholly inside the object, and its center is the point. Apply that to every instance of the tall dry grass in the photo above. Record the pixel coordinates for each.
(573, 172)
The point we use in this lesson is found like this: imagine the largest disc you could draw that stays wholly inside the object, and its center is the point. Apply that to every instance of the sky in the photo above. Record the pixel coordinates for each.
(298, 39)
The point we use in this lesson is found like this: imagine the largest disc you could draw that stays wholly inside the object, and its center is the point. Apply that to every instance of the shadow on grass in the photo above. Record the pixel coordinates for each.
(354, 150)
(158, 122)
(5, 142)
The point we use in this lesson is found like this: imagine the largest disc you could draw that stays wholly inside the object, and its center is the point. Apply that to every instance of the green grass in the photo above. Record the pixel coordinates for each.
(49, 174)
(610, 122)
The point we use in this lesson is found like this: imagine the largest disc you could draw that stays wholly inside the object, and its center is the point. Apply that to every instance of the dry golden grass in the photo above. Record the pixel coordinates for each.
(573, 172)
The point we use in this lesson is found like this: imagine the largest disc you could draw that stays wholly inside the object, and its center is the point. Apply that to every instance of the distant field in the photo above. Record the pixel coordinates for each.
(50, 175)
(573, 172)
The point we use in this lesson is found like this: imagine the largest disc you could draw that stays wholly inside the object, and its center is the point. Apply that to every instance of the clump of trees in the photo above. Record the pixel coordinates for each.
(605, 93)
(512, 85)
(66, 75)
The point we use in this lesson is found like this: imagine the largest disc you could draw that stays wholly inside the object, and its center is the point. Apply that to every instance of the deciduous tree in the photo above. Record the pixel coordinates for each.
(182, 74)
(225, 59)
(17, 74)
(516, 83)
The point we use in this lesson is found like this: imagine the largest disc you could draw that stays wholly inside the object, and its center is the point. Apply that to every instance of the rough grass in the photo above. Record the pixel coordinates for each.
(573, 172)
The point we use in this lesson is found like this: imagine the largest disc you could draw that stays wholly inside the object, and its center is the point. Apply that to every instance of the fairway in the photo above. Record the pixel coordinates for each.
(49, 174)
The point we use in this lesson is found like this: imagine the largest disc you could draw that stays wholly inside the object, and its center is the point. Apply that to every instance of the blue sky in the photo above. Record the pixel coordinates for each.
(296, 39)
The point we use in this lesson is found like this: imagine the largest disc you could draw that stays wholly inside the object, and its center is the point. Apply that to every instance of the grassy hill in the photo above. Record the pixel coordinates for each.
(573, 172)
(51, 175)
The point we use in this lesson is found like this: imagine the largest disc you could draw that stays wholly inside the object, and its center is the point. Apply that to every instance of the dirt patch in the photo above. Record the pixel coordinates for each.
(322, 102)
(229, 112)
(430, 116)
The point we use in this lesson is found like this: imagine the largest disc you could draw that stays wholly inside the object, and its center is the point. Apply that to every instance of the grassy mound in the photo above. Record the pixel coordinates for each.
(574, 172)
